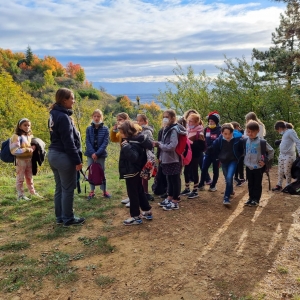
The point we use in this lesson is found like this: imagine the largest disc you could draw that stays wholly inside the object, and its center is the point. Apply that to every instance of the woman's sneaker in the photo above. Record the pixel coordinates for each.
(171, 205)
(76, 221)
(133, 221)
(147, 215)
(185, 192)
(192, 195)
(91, 195)
(125, 201)
(277, 188)
(106, 195)
(23, 198)
(164, 203)
(212, 189)
(127, 204)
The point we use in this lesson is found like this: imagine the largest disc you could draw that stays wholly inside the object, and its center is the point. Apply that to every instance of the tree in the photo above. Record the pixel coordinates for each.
(283, 59)
(29, 56)
(75, 71)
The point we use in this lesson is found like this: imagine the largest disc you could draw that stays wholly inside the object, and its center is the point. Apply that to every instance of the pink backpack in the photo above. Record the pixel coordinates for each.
(96, 174)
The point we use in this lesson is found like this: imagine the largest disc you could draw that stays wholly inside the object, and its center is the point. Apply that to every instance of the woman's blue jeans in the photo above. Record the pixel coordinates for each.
(228, 171)
(65, 182)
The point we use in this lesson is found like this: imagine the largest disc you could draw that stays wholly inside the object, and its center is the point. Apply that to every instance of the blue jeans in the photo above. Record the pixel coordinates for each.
(101, 161)
(228, 171)
(65, 182)
(207, 161)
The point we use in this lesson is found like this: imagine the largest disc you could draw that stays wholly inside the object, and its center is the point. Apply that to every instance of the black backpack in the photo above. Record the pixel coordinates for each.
(293, 188)
(5, 153)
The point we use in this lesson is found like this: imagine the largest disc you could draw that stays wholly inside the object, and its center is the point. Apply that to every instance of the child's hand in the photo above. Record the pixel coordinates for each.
(94, 156)
(33, 147)
(78, 167)
(124, 143)
(155, 144)
(261, 163)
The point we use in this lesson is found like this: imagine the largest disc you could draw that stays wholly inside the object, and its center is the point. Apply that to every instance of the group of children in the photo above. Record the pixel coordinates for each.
(227, 146)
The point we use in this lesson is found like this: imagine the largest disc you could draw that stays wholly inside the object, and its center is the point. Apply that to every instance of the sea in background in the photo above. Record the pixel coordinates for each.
(144, 98)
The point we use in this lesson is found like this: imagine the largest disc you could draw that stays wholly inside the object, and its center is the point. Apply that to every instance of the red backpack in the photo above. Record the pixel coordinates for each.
(183, 149)
(96, 174)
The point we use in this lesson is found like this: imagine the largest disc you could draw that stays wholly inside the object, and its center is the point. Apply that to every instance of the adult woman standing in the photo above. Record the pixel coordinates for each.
(63, 156)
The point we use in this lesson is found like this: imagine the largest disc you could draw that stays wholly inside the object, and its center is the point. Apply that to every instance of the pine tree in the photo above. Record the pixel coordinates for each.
(283, 59)
(29, 56)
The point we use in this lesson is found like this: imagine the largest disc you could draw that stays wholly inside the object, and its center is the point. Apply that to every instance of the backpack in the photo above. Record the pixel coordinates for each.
(293, 188)
(159, 186)
(96, 175)
(183, 149)
(5, 153)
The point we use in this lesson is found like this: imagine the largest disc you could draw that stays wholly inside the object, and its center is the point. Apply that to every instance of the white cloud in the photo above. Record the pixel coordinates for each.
(126, 40)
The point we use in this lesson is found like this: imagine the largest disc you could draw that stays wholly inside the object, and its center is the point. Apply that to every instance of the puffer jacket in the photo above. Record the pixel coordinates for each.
(169, 142)
(133, 156)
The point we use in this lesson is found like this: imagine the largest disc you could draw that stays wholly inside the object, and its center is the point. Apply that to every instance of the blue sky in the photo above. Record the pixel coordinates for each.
(130, 46)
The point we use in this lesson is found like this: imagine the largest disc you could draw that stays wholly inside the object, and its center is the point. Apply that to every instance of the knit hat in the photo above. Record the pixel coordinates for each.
(214, 115)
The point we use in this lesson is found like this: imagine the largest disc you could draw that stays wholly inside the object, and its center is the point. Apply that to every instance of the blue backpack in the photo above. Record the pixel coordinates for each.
(5, 153)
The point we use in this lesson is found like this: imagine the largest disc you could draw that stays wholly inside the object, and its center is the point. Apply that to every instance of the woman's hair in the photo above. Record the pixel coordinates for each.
(61, 95)
(252, 125)
(228, 126)
(235, 125)
(190, 111)
(172, 114)
(280, 124)
(143, 117)
(128, 128)
(289, 125)
(123, 115)
(252, 116)
(195, 118)
(98, 111)
(18, 130)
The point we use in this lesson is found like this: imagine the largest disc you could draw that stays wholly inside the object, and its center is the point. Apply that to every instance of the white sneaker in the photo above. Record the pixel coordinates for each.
(125, 201)
(37, 195)
(127, 205)
(212, 189)
(23, 198)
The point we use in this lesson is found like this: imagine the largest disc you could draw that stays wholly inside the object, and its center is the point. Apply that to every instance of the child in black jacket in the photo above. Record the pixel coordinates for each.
(132, 159)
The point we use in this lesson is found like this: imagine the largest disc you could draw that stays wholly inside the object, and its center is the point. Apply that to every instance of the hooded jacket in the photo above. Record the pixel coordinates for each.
(63, 135)
(38, 155)
(148, 131)
(169, 142)
(133, 156)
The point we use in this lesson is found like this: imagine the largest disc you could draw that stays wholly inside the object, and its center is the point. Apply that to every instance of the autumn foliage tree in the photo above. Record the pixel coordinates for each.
(75, 71)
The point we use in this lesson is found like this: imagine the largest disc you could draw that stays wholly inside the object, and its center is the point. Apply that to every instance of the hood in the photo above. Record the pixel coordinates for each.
(147, 127)
(142, 140)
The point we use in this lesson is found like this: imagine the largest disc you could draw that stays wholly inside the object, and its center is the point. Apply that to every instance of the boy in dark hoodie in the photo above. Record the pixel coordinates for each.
(132, 159)
(211, 133)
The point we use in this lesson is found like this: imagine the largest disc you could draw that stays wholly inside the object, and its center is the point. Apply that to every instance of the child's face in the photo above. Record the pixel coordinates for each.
(192, 123)
(140, 121)
(120, 121)
(97, 118)
(227, 134)
(211, 122)
(25, 126)
(252, 134)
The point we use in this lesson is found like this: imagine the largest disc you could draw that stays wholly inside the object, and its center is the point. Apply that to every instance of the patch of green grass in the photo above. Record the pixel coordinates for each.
(57, 232)
(15, 246)
(98, 245)
(104, 281)
(282, 270)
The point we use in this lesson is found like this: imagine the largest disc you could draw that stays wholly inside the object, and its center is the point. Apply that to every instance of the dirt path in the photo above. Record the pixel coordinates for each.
(202, 251)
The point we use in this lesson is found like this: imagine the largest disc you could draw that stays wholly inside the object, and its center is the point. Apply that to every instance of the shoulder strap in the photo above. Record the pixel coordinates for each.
(263, 147)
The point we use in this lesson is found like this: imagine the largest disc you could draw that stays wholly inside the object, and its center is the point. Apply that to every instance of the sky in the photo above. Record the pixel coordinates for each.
(132, 46)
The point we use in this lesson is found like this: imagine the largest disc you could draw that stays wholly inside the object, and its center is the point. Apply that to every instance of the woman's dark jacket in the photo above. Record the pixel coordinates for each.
(102, 141)
(234, 152)
(63, 135)
(133, 156)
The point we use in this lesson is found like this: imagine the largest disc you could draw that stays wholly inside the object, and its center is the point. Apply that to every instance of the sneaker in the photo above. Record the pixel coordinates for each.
(91, 195)
(212, 189)
(248, 202)
(236, 180)
(201, 188)
(185, 192)
(164, 196)
(23, 198)
(37, 195)
(192, 195)
(208, 182)
(127, 205)
(253, 203)
(226, 202)
(60, 222)
(164, 203)
(133, 221)
(125, 201)
(75, 221)
(241, 182)
(171, 206)
(147, 215)
(278, 188)
(106, 195)
(149, 197)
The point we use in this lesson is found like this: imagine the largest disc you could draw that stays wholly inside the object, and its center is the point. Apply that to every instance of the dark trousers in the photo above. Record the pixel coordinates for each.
(207, 161)
(254, 178)
(239, 172)
(201, 157)
(136, 195)
(191, 171)
(174, 186)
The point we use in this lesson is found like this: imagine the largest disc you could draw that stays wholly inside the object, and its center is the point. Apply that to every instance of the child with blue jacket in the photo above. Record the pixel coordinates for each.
(228, 149)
